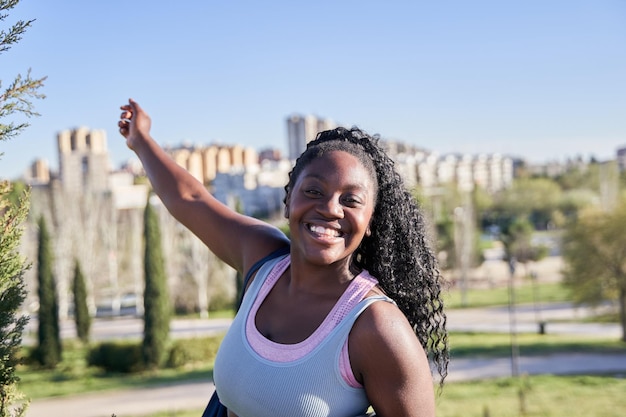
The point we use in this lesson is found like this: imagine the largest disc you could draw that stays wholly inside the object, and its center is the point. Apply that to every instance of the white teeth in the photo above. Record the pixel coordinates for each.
(324, 231)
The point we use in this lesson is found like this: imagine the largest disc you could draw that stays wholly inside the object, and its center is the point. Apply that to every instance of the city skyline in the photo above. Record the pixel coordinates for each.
(536, 80)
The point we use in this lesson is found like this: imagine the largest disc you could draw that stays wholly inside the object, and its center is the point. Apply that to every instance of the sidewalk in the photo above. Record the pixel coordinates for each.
(191, 396)
(132, 402)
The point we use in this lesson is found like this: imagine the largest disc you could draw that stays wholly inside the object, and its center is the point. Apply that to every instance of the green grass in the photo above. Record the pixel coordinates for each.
(463, 345)
(528, 396)
(524, 294)
(74, 377)
(535, 396)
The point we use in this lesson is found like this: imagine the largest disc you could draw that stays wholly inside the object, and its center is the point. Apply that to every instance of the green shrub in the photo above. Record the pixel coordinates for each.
(117, 357)
(193, 351)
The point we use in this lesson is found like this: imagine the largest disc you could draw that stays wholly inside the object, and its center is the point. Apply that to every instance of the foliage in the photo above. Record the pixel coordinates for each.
(82, 317)
(448, 210)
(572, 202)
(535, 199)
(49, 349)
(12, 295)
(580, 176)
(517, 240)
(594, 250)
(81, 372)
(14, 206)
(156, 306)
(117, 357)
(193, 351)
(16, 97)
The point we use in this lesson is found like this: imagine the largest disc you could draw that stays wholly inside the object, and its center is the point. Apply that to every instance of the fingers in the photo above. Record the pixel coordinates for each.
(125, 117)
(134, 106)
(124, 127)
(133, 119)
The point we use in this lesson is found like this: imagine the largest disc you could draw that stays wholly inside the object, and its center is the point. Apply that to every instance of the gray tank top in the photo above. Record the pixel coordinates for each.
(312, 386)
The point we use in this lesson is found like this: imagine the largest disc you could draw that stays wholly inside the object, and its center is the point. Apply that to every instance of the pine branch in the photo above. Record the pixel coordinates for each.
(17, 98)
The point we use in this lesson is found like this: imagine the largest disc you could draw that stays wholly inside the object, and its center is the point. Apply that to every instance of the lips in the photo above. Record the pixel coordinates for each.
(325, 232)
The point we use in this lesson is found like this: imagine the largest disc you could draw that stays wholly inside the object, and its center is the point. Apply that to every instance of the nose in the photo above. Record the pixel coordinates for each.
(331, 207)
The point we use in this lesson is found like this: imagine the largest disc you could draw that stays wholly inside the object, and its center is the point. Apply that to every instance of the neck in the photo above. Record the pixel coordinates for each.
(320, 279)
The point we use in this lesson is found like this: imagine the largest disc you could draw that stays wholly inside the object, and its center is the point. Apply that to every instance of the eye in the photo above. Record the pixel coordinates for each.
(312, 192)
(352, 201)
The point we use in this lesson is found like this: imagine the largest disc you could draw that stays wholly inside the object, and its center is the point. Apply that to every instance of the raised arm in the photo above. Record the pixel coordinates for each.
(236, 239)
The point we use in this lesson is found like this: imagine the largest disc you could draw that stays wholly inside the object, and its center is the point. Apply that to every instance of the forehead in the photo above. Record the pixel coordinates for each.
(341, 167)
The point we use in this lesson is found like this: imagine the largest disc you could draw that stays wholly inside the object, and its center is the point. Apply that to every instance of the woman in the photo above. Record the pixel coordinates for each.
(344, 320)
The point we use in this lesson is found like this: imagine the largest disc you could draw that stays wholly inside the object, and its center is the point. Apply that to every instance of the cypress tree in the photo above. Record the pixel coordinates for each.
(16, 99)
(81, 311)
(12, 295)
(49, 350)
(156, 305)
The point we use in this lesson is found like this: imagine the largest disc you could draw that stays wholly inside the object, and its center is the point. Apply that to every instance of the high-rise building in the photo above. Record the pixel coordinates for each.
(302, 130)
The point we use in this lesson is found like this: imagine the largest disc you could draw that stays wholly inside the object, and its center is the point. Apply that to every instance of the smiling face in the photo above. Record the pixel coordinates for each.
(330, 207)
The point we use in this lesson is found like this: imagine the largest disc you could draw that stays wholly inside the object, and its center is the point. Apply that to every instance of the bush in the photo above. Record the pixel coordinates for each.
(195, 350)
(117, 357)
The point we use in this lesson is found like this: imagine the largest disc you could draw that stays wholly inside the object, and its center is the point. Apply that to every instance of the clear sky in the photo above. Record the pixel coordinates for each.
(538, 79)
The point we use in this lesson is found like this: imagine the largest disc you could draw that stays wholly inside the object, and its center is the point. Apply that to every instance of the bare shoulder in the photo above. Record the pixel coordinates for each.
(384, 325)
(388, 359)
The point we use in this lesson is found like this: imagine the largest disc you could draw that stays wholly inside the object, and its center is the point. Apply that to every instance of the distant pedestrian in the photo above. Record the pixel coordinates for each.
(343, 321)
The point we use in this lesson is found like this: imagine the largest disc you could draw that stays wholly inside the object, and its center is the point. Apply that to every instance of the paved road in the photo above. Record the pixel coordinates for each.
(194, 395)
(560, 318)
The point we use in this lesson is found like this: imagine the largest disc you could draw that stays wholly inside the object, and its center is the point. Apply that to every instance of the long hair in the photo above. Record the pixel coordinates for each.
(397, 252)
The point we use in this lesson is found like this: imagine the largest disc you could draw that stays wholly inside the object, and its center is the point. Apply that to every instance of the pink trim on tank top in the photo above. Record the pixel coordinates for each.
(278, 352)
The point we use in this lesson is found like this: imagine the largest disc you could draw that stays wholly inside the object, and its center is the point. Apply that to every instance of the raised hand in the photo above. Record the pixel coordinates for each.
(134, 123)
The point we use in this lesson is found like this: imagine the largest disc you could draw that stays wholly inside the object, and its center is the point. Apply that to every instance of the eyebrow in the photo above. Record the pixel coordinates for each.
(351, 186)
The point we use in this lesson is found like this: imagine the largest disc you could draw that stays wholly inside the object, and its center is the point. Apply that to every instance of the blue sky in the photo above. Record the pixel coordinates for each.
(539, 79)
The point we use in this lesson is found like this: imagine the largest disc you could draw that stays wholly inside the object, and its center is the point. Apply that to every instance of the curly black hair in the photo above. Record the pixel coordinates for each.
(397, 252)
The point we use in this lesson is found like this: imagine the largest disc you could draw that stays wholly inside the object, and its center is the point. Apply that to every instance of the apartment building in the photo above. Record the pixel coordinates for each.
(206, 162)
(302, 130)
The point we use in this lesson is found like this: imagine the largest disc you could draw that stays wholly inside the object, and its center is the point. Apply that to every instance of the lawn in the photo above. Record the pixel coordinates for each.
(540, 396)
(465, 345)
(73, 376)
(526, 293)
(528, 396)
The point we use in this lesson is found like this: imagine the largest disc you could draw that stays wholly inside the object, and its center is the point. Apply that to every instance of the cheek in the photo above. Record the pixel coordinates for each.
(367, 220)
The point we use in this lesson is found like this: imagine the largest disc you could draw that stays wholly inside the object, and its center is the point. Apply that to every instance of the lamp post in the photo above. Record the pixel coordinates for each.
(513, 320)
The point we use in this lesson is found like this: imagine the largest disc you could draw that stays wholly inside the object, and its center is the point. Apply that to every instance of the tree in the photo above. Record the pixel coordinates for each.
(535, 199)
(594, 250)
(12, 295)
(81, 311)
(14, 207)
(156, 305)
(49, 350)
(16, 98)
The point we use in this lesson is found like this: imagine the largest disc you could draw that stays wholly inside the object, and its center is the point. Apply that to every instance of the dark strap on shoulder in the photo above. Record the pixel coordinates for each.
(278, 252)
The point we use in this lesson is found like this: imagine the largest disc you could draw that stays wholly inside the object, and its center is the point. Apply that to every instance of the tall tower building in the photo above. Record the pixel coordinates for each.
(83, 160)
(302, 130)
(38, 173)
